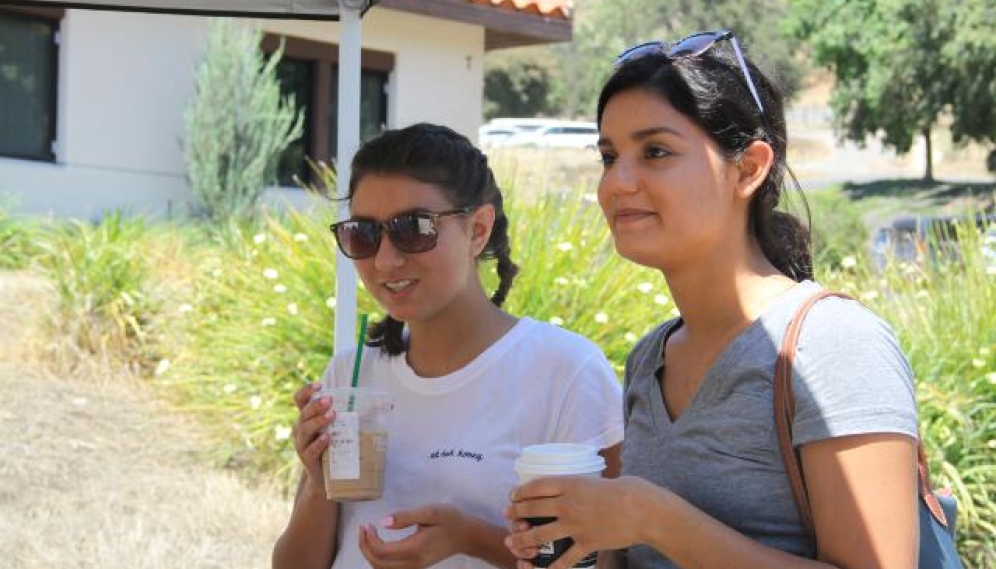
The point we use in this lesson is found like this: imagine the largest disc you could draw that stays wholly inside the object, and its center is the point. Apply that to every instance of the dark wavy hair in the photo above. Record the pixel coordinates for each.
(437, 155)
(711, 91)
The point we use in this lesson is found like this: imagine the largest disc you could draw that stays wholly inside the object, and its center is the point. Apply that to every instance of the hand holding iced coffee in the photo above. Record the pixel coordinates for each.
(314, 415)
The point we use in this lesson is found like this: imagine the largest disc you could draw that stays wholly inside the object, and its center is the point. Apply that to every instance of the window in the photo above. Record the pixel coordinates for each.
(28, 76)
(309, 71)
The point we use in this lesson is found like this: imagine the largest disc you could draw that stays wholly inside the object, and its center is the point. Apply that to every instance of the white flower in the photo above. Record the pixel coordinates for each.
(258, 238)
(253, 253)
(561, 281)
(849, 262)
(268, 321)
(185, 308)
(229, 388)
(661, 299)
(216, 273)
(271, 273)
(992, 378)
(977, 363)
(281, 432)
(991, 443)
(565, 246)
(590, 197)
(630, 337)
(601, 318)
(922, 293)
(292, 308)
(557, 321)
(869, 295)
(984, 351)
(300, 237)
(80, 401)
(991, 270)
(161, 367)
(645, 288)
(330, 302)
(279, 288)
(255, 401)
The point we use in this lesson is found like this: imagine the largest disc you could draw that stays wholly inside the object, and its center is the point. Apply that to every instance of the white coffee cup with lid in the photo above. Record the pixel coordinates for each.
(558, 459)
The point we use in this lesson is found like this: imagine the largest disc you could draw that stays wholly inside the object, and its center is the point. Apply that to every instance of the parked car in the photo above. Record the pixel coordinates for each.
(557, 134)
(494, 135)
(497, 131)
(924, 238)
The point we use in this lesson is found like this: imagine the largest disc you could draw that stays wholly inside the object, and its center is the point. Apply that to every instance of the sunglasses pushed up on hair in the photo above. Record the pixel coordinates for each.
(692, 46)
(410, 232)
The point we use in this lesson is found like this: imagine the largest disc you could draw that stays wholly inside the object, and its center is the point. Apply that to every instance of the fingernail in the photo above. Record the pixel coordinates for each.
(387, 522)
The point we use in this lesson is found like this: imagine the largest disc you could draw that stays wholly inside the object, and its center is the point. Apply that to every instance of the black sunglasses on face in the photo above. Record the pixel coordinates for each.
(413, 232)
(692, 46)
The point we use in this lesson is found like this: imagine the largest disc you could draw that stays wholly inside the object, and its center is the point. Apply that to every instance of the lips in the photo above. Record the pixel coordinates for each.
(627, 215)
(398, 289)
(399, 285)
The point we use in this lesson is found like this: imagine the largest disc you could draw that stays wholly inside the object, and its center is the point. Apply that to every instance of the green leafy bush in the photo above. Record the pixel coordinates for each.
(238, 124)
(837, 228)
(18, 241)
(101, 275)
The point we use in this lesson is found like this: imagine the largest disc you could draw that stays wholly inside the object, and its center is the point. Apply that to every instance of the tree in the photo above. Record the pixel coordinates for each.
(604, 28)
(901, 65)
(517, 84)
(237, 124)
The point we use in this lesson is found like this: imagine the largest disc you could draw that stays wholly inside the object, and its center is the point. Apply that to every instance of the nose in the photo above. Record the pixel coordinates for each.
(388, 256)
(619, 179)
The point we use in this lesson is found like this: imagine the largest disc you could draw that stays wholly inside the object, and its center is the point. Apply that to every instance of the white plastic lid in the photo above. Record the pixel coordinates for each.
(555, 459)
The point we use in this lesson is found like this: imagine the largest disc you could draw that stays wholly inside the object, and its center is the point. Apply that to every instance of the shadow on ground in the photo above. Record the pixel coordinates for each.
(936, 192)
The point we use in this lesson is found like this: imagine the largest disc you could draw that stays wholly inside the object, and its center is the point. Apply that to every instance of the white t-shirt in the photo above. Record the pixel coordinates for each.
(453, 439)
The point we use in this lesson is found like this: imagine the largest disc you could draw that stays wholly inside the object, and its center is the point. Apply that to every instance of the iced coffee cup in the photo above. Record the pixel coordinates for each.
(353, 464)
(558, 459)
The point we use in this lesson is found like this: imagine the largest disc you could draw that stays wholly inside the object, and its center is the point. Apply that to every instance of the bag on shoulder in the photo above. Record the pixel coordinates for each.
(937, 510)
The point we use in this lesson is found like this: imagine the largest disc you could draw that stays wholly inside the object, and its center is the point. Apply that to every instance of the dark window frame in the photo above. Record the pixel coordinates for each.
(323, 57)
(51, 17)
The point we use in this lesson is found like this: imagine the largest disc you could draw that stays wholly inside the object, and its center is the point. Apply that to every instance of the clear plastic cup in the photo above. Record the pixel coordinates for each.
(353, 464)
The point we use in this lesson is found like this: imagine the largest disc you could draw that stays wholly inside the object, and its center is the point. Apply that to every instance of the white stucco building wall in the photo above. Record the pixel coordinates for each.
(124, 80)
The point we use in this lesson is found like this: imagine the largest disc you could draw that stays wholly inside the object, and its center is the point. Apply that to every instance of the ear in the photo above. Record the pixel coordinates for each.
(482, 222)
(753, 167)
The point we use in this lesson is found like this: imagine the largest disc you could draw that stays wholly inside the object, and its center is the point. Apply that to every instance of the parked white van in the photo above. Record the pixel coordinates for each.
(557, 134)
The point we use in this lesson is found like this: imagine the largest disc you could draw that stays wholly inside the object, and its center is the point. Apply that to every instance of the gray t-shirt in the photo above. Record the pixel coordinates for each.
(721, 454)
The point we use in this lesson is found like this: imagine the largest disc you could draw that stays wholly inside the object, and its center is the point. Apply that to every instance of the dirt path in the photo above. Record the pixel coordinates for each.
(95, 472)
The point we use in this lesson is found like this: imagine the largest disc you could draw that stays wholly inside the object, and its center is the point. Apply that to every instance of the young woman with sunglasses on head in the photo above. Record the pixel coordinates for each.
(471, 385)
(693, 144)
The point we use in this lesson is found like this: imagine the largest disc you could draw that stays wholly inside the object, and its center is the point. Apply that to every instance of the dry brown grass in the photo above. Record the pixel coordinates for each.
(96, 472)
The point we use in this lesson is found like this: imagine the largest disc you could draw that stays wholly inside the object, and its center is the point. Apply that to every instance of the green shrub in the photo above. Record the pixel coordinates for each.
(837, 228)
(101, 278)
(18, 241)
(237, 124)
(258, 325)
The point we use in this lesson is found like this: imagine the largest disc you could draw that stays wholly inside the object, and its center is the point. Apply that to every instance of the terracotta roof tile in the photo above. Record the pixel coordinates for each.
(550, 8)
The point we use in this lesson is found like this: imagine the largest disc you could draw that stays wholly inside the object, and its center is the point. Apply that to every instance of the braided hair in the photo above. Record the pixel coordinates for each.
(437, 155)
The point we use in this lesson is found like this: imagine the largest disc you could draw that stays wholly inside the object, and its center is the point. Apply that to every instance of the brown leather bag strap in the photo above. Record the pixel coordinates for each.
(784, 405)
(785, 408)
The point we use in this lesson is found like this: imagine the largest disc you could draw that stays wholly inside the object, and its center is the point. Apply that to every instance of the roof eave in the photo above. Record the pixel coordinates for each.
(503, 28)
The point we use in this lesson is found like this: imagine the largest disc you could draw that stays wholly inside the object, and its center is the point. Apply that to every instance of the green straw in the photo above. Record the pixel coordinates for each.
(359, 354)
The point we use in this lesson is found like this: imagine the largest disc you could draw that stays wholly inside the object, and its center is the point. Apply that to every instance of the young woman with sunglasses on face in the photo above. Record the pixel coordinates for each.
(693, 143)
(471, 385)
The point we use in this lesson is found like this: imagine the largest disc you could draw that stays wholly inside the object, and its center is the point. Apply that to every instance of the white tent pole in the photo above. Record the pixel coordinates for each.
(348, 142)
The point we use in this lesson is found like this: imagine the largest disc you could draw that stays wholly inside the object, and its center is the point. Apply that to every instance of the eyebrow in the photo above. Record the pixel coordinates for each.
(644, 133)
